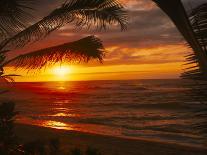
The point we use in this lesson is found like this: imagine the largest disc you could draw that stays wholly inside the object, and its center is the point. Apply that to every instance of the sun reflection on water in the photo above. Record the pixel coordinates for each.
(61, 88)
(61, 114)
(56, 125)
(46, 123)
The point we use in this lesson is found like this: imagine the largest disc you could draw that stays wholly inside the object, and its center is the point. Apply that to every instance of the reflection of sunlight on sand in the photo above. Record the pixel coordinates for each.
(56, 125)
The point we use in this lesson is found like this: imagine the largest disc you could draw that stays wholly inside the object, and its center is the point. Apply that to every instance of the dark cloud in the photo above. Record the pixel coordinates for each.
(146, 28)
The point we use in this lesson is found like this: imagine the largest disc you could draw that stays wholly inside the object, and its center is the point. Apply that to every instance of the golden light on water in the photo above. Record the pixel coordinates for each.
(56, 125)
(46, 123)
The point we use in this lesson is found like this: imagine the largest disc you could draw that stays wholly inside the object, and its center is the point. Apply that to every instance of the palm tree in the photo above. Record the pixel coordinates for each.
(194, 31)
(15, 33)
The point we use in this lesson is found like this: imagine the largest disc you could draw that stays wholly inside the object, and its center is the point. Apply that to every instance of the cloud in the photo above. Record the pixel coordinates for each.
(150, 38)
(154, 55)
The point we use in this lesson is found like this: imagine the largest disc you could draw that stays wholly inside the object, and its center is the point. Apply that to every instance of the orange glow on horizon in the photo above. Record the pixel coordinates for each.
(113, 72)
(60, 72)
(161, 62)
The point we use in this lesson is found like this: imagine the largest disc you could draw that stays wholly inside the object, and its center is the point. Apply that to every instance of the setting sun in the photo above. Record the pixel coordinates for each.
(61, 73)
(61, 70)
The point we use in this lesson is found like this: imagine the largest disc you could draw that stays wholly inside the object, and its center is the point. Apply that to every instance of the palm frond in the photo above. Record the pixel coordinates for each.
(98, 12)
(176, 11)
(194, 30)
(83, 13)
(14, 16)
(198, 19)
(6, 81)
(82, 50)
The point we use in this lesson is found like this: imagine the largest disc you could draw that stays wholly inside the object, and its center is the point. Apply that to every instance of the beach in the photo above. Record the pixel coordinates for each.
(107, 145)
(158, 110)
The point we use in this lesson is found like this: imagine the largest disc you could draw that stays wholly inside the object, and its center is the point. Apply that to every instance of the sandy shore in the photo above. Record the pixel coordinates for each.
(106, 144)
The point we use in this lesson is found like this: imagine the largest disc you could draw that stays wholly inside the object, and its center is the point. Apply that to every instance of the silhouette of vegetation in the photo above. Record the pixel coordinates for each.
(35, 147)
(194, 30)
(18, 32)
(88, 151)
(8, 140)
(76, 151)
(14, 15)
(199, 24)
(92, 151)
(189, 29)
(198, 20)
(54, 145)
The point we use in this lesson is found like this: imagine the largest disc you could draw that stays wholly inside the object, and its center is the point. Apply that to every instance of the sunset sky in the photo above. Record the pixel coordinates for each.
(151, 47)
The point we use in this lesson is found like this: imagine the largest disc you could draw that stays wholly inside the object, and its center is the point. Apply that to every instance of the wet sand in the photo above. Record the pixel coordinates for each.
(107, 145)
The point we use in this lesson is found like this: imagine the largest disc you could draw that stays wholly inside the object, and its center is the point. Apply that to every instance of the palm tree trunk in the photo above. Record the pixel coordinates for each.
(176, 11)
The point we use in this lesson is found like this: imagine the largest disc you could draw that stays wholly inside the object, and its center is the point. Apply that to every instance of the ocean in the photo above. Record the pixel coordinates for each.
(159, 110)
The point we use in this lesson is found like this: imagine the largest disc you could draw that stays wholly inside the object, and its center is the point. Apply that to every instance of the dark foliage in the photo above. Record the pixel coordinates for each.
(14, 16)
(92, 151)
(198, 20)
(88, 151)
(194, 30)
(198, 59)
(76, 151)
(79, 51)
(8, 140)
(54, 146)
(84, 13)
(35, 147)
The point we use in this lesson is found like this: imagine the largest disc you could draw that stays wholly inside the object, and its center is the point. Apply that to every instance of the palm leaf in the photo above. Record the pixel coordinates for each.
(175, 10)
(83, 13)
(8, 80)
(79, 51)
(14, 16)
(198, 19)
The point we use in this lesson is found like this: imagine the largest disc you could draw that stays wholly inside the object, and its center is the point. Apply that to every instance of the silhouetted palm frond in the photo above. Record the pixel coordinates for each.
(79, 51)
(7, 79)
(198, 19)
(83, 13)
(176, 11)
(14, 16)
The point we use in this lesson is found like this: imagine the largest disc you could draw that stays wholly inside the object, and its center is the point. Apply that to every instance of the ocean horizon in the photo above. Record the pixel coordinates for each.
(159, 109)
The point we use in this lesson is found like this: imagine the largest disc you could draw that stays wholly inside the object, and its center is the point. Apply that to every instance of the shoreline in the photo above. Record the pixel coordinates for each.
(108, 145)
